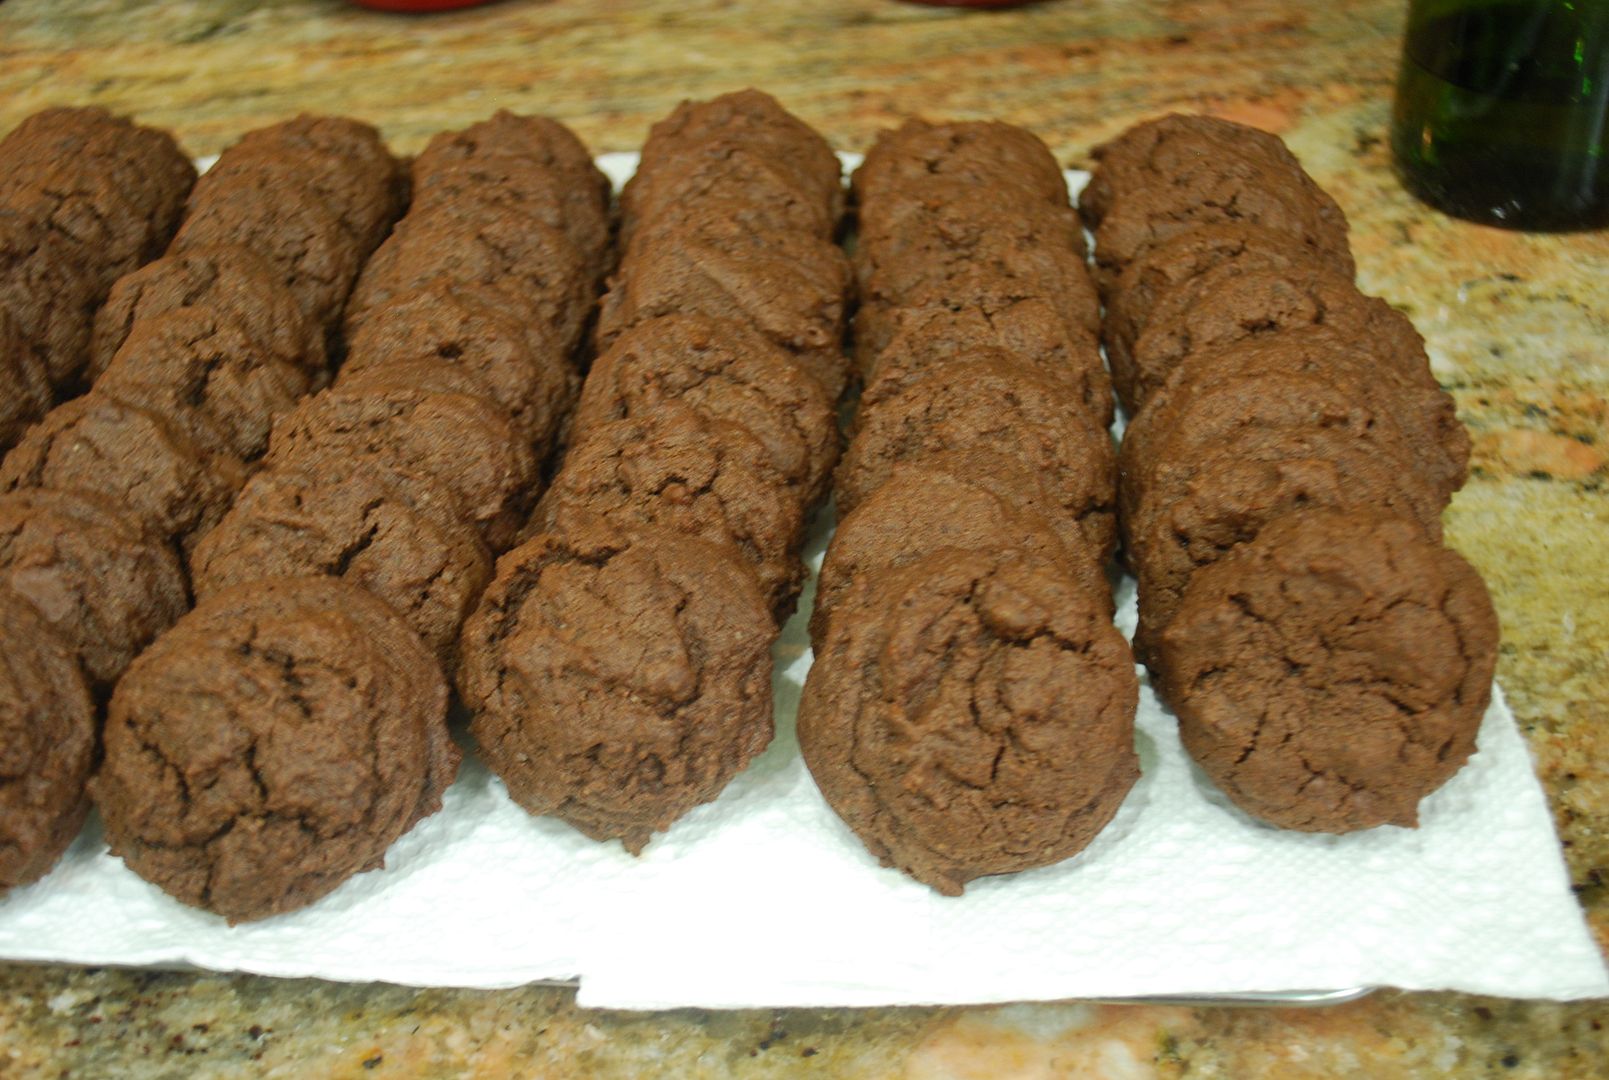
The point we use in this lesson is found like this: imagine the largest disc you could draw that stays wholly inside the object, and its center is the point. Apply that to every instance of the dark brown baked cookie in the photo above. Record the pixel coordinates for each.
(995, 403)
(1184, 172)
(519, 364)
(1233, 302)
(962, 500)
(541, 274)
(1176, 262)
(295, 231)
(535, 139)
(677, 470)
(619, 678)
(464, 443)
(373, 187)
(233, 281)
(271, 745)
(196, 359)
(1332, 672)
(400, 536)
(25, 394)
(365, 208)
(106, 587)
(727, 372)
(750, 120)
(986, 155)
(760, 192)
(971, 714)
(50, 298)
(47, 745)
(791, 287)
(1271, 380)
(933, 216)
(135, 459)
(1205, 505)
(1030, 329)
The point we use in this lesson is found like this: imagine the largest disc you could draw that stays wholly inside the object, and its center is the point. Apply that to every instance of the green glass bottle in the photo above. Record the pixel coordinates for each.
(1502, 111)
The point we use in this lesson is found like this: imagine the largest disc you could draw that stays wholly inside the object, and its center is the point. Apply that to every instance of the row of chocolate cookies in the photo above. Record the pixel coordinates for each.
(331, 595)
(85, 197)
(971, 707)
(1282, 482)
(619, 668)
(195, 354)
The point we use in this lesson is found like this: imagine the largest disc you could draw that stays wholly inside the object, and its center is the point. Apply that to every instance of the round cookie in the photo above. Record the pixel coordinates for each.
(1218, 499)
(971, 714)
(545, 143)
(519, 364)
(1269, 380)
(50, 298)
(995, 403)
(377, 184)
(464, 443)
(25, 394)
(365, 205)
(47, 745)
(1029, 328)
(271, 745)
(674, 469)
(964, 500)
(397, 535)
(1332, 672)
(134, 459)
(197, 360)
(233, 281)
(298, 234)
(98, 220)
(1233, 302)
(791, 287)
(538, 271)
(724, 371)
(985, 155)
(762, 193)
(105, 586)
(619, 678)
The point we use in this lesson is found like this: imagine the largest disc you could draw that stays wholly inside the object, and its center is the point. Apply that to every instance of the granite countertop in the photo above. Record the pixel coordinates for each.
(1518, 329)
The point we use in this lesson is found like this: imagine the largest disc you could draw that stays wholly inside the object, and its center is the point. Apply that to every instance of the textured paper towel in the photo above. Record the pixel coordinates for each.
(765, 898)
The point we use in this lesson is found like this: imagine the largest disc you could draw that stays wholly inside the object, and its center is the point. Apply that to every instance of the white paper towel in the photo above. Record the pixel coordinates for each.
(764, 898)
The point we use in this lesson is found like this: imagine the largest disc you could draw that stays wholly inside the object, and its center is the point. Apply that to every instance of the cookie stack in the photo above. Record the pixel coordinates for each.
(332, 593)
(85, 197)
(195, 355)
(619, 666)
(1282, 480)
(971, 707)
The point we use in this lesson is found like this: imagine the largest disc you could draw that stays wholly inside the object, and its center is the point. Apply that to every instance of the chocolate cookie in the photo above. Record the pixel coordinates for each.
(791, 287)
(106, 587)
(196, 359)
(1267, 381)
(519, 364)
(374, 179)
(748, 119)
(674, 469)
(47, 745)
(273, 744)
(995, 403)
(1332, 672)
(971, 714)
(50, 298)
(232, 281)
(541, 274)
(1204, 179)
(365, 205)
(724, 371)
(399, 536)
(295, 231)
(619, 678)
(535, 139)
(464, 443)
(985, 155)
(1031, 330)
(135, 459)
(961, 500)
(1233, 302)
(25, 394)
(762, 193)
(1205, 505)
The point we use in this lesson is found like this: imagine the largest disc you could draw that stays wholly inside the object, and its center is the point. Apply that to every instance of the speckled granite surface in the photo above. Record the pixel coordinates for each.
(1518, 327)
